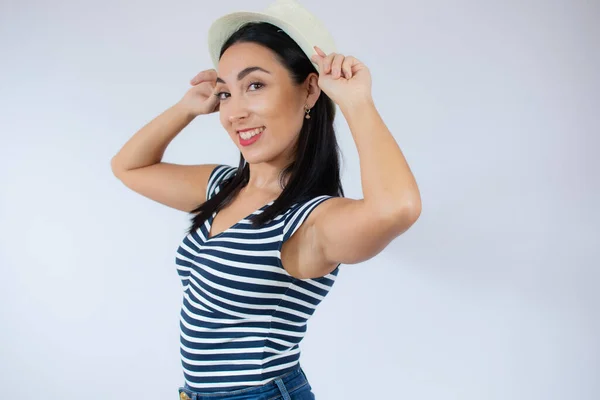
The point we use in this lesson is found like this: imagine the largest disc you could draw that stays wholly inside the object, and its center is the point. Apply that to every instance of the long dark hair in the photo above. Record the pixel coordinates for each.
(316, 168)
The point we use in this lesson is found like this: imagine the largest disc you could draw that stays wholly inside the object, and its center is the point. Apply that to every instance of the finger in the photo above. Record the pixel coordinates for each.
(319, 61)
(347, 66)
(207, 90)
(336, 66)
(208, 75)
(320, 52)
(327, 62)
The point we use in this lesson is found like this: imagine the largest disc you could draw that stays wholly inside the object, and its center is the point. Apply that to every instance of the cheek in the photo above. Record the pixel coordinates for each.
(265, 106)
(277, 110)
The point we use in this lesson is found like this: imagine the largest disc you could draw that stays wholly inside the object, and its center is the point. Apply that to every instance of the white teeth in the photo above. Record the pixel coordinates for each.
(248, 134)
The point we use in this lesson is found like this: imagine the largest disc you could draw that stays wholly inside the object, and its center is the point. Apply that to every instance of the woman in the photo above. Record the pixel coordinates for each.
(268, 237)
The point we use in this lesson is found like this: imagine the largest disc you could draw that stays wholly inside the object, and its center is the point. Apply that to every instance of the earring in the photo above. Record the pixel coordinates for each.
(307, 111)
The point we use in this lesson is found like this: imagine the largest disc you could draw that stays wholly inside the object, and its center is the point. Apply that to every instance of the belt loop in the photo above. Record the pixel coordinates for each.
(282, 389)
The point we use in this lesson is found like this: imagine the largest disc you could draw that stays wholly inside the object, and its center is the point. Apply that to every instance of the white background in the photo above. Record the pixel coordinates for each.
(492, 294)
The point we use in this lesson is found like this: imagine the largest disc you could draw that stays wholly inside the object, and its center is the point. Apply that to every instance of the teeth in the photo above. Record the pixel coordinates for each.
(248, 134)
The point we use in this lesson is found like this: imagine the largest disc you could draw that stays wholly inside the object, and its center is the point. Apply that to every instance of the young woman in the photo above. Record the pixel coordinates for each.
(269, 235)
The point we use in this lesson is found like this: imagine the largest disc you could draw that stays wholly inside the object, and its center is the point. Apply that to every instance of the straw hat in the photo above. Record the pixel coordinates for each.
(301, 25)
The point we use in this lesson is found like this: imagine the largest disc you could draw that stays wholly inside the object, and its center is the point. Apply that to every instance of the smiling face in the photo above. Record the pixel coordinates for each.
(257, 91)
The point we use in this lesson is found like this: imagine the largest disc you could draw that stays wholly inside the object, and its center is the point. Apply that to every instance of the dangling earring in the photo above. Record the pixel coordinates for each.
(307, 110)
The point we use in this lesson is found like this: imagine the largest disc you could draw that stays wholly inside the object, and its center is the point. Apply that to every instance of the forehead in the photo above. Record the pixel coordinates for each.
(242, 55)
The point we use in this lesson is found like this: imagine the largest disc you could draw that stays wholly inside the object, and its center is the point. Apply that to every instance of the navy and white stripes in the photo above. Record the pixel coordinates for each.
(243, 316)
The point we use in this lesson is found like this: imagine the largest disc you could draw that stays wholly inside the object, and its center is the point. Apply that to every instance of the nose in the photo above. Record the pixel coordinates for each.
(235, 118)
(236, 109)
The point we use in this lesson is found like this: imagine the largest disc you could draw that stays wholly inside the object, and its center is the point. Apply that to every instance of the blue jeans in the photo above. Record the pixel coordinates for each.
(290, 386)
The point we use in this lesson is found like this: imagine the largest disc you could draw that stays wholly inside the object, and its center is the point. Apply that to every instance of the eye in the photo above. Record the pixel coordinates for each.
(256, 84)
(219, 95)
(259, 84)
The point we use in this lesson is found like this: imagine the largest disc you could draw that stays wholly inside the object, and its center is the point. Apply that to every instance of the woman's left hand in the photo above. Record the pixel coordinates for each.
(345, 79)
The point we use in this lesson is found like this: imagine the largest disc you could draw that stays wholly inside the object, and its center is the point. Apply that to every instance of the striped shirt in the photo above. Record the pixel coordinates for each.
(243, 316)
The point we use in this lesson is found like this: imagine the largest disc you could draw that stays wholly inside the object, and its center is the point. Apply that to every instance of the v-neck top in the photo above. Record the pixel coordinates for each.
(243, 315)
(211, 219)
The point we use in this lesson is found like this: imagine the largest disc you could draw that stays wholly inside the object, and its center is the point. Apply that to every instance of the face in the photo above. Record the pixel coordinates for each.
(257, 91)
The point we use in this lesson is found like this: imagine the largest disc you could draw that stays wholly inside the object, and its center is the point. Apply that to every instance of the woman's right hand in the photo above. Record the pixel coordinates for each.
(200, 99)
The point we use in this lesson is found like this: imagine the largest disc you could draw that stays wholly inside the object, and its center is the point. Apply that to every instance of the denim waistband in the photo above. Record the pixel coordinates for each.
(280, 386)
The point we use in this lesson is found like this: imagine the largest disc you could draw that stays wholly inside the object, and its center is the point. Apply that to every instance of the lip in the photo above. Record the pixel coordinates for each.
(248, 129)
(252, 140)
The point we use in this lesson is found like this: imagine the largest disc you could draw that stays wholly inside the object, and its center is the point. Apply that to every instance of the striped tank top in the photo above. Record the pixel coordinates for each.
(242, 315)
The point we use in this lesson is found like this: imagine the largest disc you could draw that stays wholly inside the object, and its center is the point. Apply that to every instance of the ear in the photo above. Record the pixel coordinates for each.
(312, 89)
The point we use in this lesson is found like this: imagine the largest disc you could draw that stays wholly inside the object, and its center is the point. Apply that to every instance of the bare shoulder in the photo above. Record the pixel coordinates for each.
(301, 254)
(344, 231)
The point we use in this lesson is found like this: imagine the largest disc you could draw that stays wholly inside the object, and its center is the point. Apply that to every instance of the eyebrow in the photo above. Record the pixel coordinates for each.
(245, 72)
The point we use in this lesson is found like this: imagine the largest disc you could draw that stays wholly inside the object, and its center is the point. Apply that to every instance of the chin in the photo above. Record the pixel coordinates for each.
(255, 158)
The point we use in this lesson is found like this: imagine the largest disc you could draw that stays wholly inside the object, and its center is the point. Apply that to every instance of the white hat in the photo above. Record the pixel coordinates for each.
(288, 15)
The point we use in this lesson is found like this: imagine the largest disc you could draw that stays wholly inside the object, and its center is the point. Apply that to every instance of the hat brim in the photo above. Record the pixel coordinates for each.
(227, 25)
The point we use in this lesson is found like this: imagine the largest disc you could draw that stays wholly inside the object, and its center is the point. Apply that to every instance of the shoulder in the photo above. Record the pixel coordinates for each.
(300, 254)
(221, 173)
(299, 214)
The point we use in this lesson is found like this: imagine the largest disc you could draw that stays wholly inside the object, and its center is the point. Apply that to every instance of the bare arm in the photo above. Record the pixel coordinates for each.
(350, 231)
(138, 164)
(148, 145)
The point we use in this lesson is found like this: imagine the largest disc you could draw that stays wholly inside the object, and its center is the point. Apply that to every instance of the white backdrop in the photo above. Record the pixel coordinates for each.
(492, 294)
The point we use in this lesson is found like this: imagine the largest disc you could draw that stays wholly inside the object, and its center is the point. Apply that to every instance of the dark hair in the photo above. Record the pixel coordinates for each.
(316, 168)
